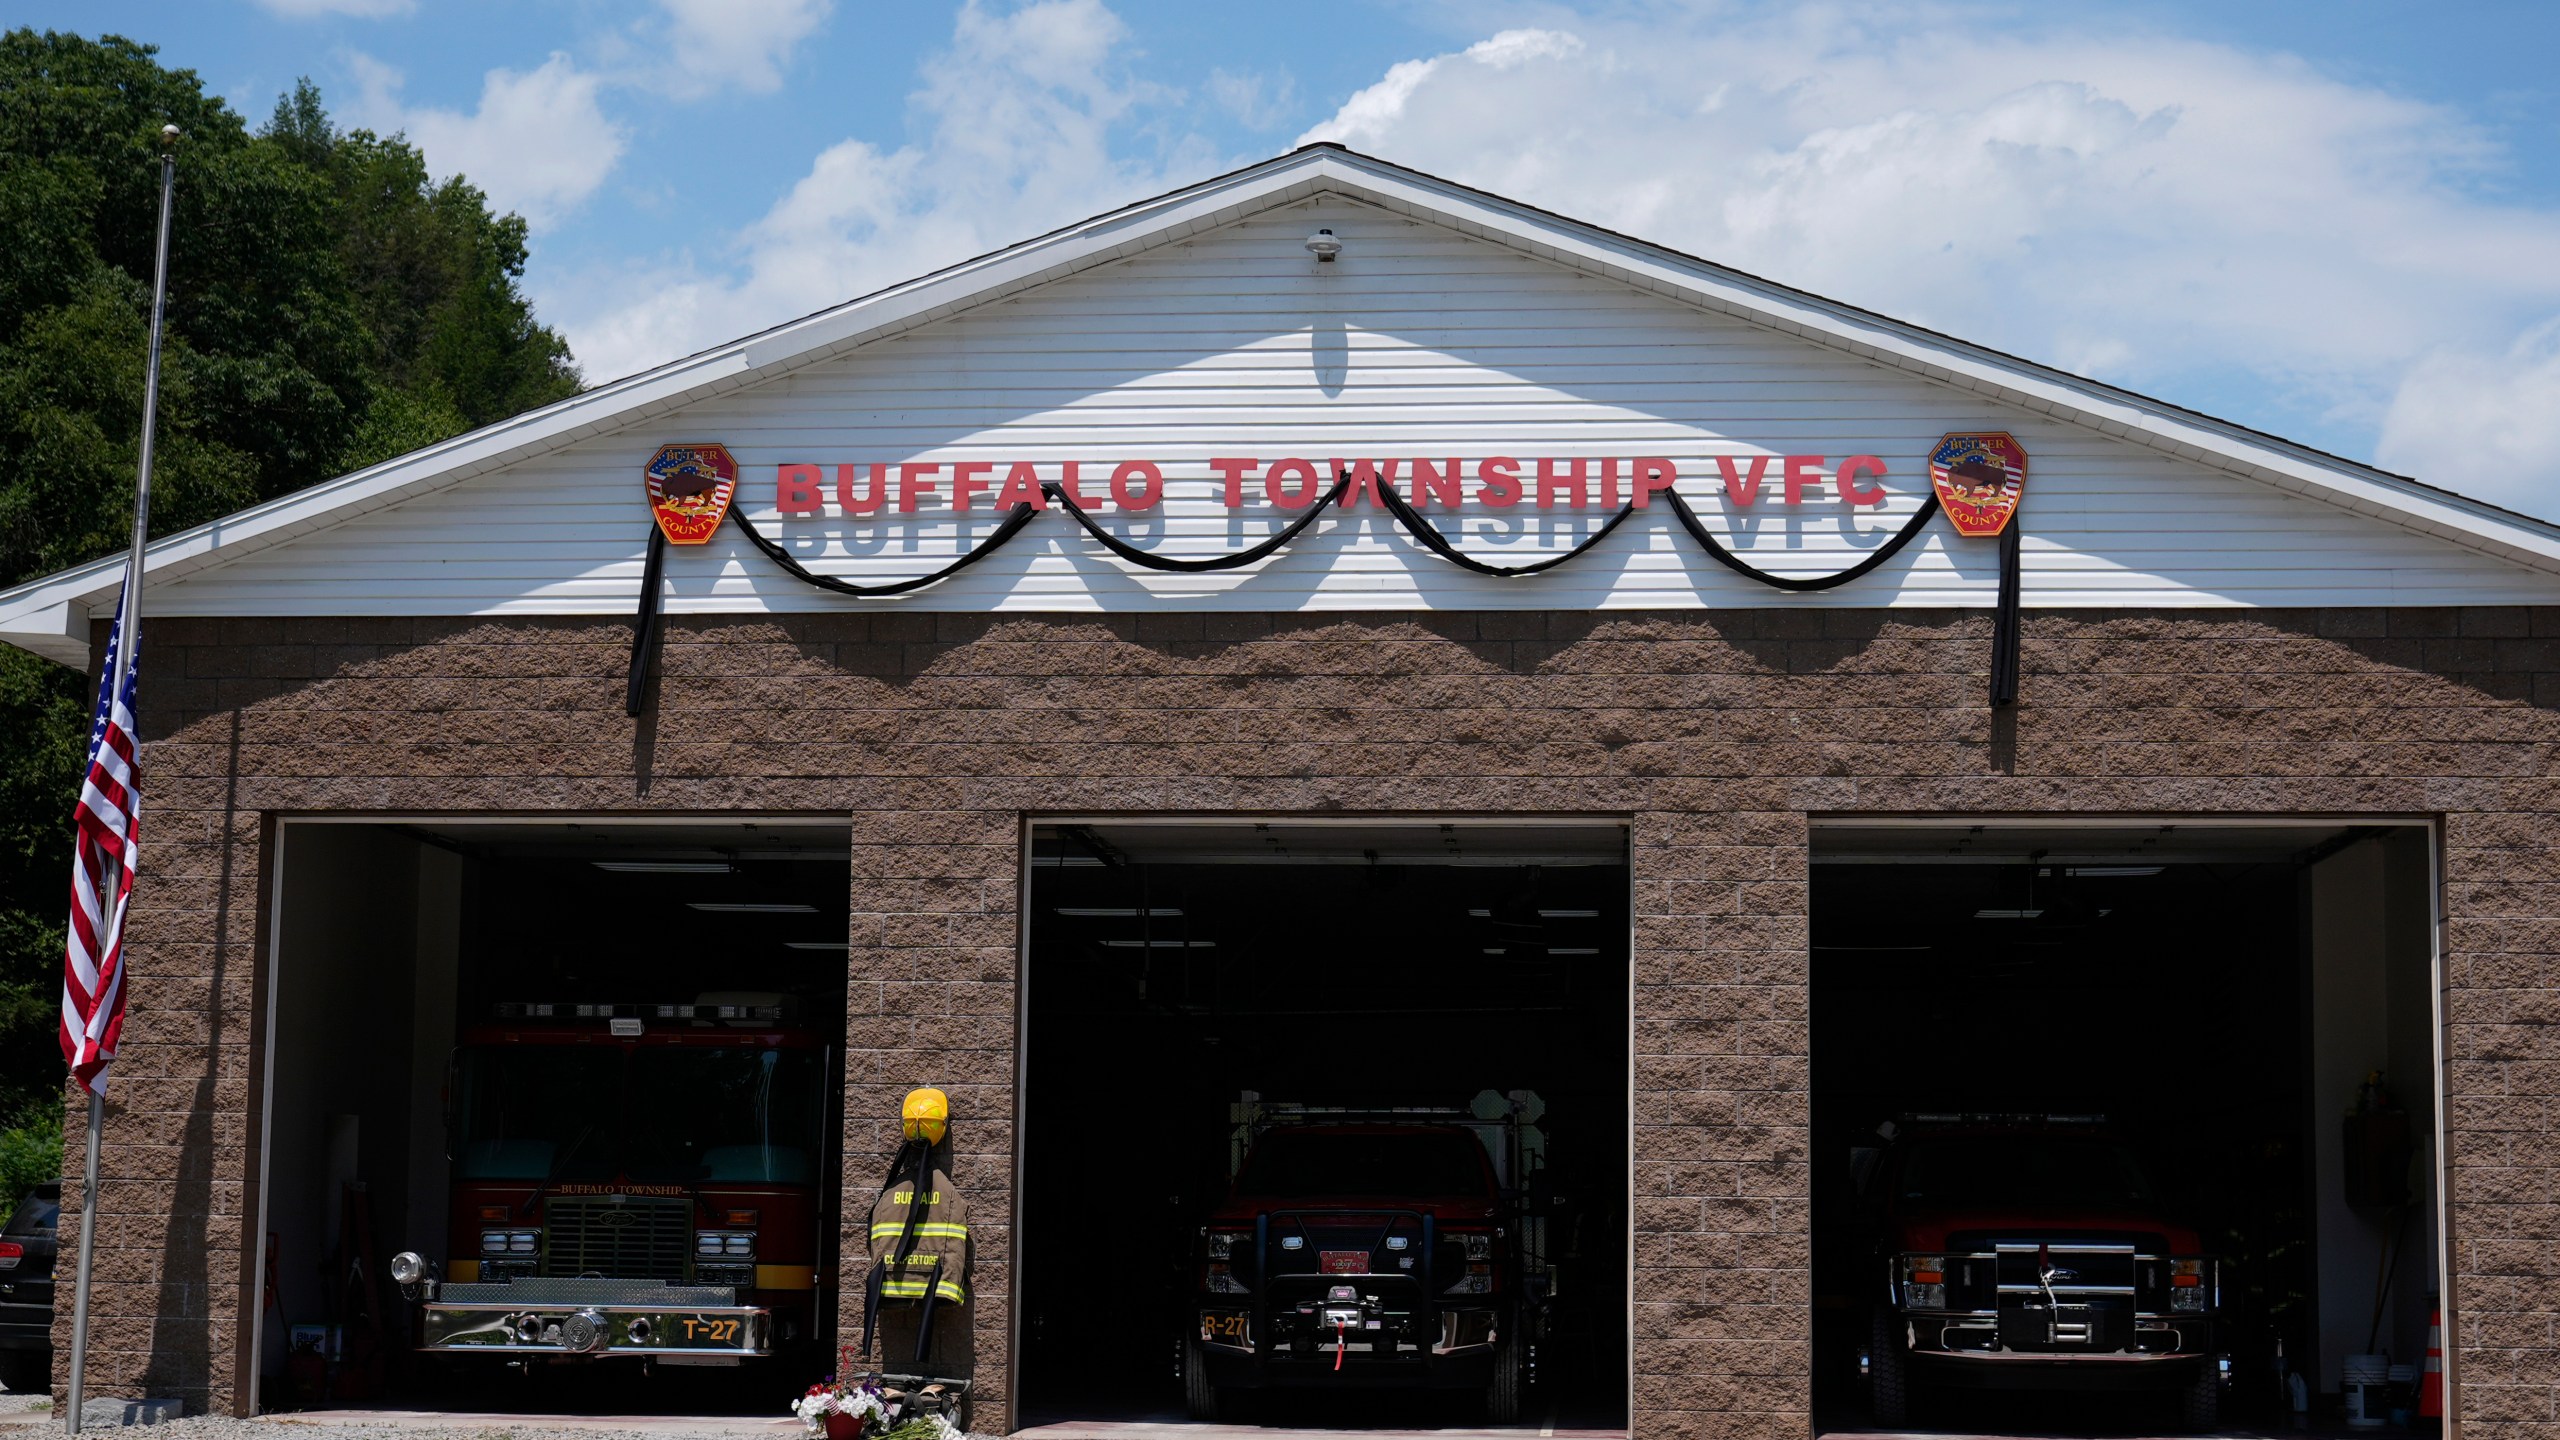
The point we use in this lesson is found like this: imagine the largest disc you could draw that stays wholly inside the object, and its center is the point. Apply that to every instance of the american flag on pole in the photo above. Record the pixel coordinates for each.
(102, 866)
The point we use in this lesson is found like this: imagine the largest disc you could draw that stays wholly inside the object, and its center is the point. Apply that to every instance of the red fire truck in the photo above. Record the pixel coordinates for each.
(631, 1180)
(1366, 1251)
(2034, 1251)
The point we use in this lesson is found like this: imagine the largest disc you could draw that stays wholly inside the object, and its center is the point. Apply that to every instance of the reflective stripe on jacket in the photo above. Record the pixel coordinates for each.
(949, 1292)
(940, 1233)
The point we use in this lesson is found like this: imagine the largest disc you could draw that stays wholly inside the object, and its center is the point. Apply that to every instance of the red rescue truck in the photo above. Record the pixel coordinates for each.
(2022, 1251)
(1383, 1254)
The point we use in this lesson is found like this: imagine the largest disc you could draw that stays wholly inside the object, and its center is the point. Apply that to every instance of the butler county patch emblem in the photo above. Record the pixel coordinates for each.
(690, 487)
(1978, 479)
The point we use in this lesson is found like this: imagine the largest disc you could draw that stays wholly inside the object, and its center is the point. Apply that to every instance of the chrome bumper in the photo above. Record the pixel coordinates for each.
(592, 1318)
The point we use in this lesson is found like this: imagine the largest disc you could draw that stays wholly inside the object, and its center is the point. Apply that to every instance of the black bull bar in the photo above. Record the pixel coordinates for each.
(1382, 1223)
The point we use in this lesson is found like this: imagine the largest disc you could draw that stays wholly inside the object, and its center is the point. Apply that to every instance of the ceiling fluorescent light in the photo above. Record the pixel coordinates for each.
(752, 907)
(1569, 914)
(2109, 872)
(817, 945)
(1162, 944)
(1109, 912)
(666, 867)
(2006, 914)
(1573, 949)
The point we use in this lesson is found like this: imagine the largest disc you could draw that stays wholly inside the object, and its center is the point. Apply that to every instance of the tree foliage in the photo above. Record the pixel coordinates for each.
(331, 305)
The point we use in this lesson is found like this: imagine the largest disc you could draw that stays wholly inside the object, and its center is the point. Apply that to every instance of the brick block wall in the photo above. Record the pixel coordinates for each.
(1719, 734)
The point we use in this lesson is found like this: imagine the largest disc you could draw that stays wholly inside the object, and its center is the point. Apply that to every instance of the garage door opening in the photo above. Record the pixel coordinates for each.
(2047, 1058)
(551, 1061)
(1442, 1008)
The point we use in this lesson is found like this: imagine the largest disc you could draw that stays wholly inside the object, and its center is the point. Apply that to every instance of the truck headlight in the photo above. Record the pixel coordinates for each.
(2189, 1288)
(510, 1242)
(724, 1244)
(408, 1268)
(1924, 1282)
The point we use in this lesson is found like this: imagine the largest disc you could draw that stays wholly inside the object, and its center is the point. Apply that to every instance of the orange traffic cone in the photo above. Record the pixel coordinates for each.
(2431, 1383)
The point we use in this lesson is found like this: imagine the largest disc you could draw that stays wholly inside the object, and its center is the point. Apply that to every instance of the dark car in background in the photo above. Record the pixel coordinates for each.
(26, 1291)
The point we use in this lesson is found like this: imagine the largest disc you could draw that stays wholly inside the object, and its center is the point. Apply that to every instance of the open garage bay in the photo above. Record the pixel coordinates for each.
(2246, 1012)
(1196, 990)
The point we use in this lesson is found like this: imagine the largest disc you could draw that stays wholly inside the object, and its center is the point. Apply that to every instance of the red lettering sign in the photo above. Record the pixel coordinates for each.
(1738, 490)
(1294, 482)
(795, 489)
(1139, 496)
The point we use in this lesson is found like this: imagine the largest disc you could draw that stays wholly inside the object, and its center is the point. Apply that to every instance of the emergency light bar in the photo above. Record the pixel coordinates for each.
(546, 1010)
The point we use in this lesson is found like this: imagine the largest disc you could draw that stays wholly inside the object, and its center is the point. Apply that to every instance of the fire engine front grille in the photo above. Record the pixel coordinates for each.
(2079, 1267)
(619, 1237)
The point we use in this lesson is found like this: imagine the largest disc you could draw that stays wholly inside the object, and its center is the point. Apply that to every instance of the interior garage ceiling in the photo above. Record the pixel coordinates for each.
(1316, 842)
(2187, 842)
(638, 838)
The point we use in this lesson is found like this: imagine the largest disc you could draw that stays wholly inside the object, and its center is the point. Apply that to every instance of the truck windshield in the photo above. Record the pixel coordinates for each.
(666, 1114)
(2023, 1169)
(1294, 1164)
(518, 1110)
(725, 1115)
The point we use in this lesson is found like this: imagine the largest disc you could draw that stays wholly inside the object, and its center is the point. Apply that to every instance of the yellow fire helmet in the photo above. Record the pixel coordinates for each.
(927, 1115)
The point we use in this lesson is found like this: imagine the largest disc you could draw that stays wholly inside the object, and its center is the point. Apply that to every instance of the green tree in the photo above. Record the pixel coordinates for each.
(331, 305)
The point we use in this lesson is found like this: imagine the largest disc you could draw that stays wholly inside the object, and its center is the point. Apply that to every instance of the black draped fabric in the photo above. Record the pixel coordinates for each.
(2004, 621)
(2004, 653)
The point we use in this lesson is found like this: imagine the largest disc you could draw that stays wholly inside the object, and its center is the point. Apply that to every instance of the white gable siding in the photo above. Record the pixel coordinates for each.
(1420, 341)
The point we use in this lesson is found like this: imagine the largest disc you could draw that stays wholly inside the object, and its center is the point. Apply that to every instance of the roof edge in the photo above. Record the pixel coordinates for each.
(49, 616)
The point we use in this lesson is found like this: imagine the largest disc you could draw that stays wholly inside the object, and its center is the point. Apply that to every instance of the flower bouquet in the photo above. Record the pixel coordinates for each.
(840, 1411)
(866, 1408)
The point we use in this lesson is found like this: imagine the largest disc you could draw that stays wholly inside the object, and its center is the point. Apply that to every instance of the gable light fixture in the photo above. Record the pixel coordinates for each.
(1324, 245)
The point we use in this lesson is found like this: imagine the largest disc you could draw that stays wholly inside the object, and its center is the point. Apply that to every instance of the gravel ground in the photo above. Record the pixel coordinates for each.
(22, 1415)
(286, 1427)
(460, 1427)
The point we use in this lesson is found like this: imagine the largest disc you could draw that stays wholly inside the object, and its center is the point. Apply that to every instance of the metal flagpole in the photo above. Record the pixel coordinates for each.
(128, 624)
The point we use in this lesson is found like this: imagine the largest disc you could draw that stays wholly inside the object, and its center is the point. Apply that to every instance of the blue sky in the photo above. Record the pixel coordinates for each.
(2337, 221)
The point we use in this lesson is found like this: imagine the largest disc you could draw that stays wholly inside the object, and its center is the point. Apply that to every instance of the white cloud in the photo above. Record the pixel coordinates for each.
(538, 145)
(719, 44)
(2484, 424)
(2150, 210)
(1257, 101)
(1373, 113)
(541, 141)
(359, 9)
(2182, 217)
(1017, 120)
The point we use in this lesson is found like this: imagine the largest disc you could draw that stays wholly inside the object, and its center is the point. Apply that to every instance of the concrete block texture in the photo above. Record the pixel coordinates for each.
(1719, 737)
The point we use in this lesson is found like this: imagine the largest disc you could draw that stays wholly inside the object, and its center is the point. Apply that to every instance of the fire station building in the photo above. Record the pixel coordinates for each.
(1331, 646)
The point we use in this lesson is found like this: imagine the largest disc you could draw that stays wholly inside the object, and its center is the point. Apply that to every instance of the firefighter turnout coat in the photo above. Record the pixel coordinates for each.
(919, 1246)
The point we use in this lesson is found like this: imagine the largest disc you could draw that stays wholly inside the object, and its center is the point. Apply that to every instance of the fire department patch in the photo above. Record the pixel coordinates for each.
(1979, 479)
(690, 487)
